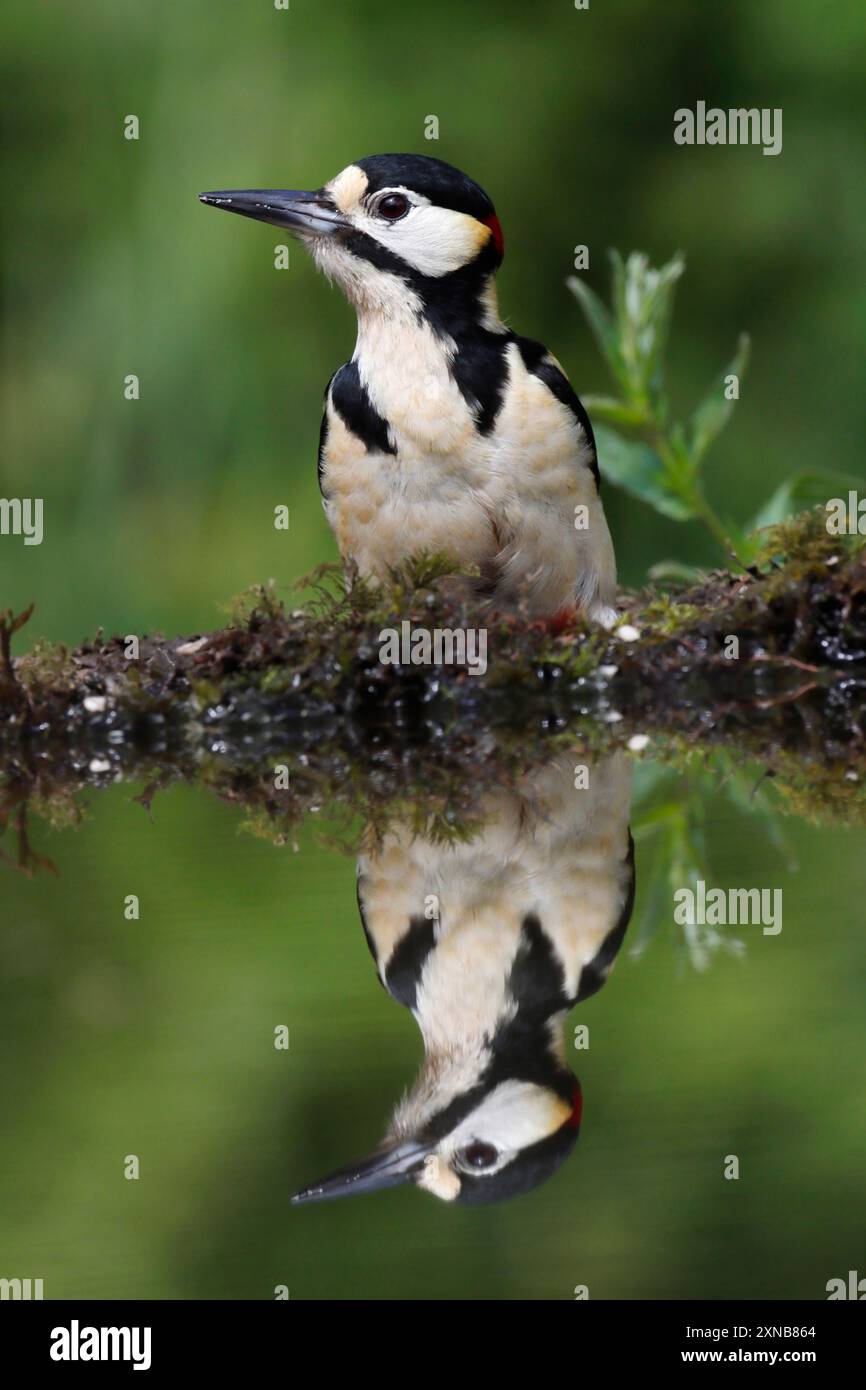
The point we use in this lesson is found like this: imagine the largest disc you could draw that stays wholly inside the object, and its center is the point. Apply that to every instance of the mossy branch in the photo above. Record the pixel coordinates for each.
(307, 686)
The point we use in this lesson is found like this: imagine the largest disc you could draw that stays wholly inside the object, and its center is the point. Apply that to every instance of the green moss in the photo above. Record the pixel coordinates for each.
(45, 664)
(803, 543)
(259, 600)
(665, 615)
(369, 741)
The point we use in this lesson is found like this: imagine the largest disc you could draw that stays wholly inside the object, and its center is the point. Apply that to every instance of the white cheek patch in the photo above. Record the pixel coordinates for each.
(514, 1115)
(434, 241)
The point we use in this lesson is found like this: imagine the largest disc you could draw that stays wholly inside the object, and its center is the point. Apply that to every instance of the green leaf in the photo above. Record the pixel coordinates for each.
(675, 570)
(638, 469)
(744, 544)
(602, 323)
(715, 410)
(808, 488)
(660, 286)
(618, 286)
(643, 298)
(614, 412)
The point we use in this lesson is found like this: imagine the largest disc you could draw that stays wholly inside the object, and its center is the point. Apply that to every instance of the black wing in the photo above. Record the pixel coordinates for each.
(537, 360)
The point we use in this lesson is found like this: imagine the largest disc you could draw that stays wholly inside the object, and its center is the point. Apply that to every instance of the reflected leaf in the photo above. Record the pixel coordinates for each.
(745, 790)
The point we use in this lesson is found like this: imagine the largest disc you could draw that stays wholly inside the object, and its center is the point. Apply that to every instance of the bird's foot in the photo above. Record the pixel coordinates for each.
(566, 617)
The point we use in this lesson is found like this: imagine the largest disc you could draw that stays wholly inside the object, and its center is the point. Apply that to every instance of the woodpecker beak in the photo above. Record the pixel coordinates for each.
(389, 1167)
(302, 213)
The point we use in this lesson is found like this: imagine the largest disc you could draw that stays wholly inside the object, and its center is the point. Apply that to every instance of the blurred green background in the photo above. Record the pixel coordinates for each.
(155, 1038)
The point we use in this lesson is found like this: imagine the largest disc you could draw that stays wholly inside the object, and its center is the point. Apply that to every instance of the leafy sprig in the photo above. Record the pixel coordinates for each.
(641, 448)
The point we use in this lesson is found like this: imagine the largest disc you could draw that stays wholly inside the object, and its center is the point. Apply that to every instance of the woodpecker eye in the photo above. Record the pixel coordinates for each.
(392, 207)
(478, 1155)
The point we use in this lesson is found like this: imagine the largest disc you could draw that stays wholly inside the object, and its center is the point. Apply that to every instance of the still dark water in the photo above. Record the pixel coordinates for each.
(154, 1039)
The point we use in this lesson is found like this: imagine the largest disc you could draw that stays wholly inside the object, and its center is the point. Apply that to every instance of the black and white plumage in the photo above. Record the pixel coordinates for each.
(490, 943)
(446, 431)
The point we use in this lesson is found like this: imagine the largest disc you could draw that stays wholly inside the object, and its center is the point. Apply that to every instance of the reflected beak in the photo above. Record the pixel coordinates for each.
(389, 1167)
(302, 213)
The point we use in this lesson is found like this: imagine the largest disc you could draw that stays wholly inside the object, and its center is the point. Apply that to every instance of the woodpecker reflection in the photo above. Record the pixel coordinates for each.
(490, 943)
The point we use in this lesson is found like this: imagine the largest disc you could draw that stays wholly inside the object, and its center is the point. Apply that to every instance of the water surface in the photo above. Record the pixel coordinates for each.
(155, 1037)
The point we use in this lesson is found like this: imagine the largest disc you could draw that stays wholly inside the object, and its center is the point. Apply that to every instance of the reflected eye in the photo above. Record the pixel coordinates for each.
(478, 1155)
(392, 207)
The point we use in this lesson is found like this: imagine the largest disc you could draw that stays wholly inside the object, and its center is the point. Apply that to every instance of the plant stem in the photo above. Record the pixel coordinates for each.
(714, 524)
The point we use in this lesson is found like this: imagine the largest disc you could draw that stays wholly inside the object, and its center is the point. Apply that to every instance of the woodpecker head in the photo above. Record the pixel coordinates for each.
(482, 1123)
(387, 222)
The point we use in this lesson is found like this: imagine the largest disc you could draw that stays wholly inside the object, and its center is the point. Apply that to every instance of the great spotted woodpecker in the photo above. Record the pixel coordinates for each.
(446, 431)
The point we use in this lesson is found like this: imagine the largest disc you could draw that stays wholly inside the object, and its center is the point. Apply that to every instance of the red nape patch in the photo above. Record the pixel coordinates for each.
(576, 1107)
(498, 238)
